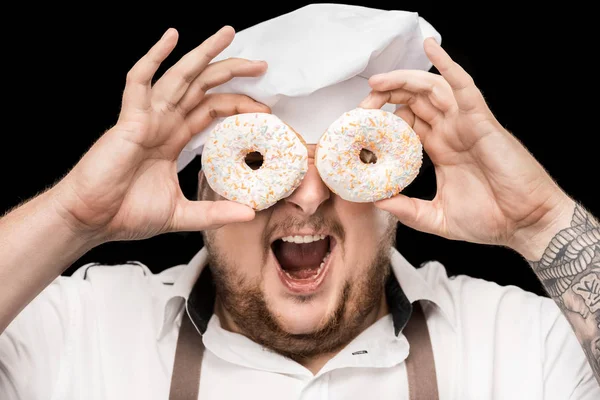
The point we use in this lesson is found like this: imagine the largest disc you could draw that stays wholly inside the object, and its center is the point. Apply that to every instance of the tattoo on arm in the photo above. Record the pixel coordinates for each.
(570, 272)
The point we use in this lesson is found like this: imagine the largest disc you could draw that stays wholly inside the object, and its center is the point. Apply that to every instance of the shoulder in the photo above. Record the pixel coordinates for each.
(97, 286)
(478, 302)
(460, 288)
(128, 271)
(122, 288)
(512, 334)
(119, 279)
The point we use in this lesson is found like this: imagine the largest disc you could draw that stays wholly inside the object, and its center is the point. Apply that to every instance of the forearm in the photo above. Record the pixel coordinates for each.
(569, 269)
(36, 246)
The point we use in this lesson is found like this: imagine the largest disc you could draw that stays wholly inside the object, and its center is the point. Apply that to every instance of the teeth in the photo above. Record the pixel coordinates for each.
(317, 271)
(303, 239)
(324, 259)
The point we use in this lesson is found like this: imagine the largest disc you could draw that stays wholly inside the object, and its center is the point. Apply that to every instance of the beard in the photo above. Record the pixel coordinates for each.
(246, 305)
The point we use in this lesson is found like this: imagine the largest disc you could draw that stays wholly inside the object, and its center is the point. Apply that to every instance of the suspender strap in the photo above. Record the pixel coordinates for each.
(185, 381)
(420, 367)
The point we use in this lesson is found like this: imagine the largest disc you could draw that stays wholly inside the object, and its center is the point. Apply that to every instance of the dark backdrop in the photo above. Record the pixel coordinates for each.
(65, 70)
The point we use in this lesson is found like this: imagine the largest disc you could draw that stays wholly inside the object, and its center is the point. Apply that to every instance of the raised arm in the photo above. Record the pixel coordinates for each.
(569, 268)
(126, 187)
(491, 190)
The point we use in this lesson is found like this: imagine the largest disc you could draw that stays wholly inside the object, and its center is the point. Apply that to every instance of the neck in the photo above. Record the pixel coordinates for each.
(315, 363)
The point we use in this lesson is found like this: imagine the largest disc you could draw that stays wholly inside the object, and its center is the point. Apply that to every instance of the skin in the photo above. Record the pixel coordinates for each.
(359, 264)
(105, 196)
(490, 189)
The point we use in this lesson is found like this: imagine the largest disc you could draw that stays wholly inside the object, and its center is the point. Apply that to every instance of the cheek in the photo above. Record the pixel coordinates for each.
(366, 228)
(241, 246)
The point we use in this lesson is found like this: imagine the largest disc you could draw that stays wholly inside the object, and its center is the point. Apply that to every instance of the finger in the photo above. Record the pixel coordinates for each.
(418, 214)
(421, 128)
(468, 96)
(139, 77)
(415, 108)
(216, 74)
(192, 215)
(174, 83)
(220, 105)
(419, 104)
(419, 82)
(375, 100)
(407, 115)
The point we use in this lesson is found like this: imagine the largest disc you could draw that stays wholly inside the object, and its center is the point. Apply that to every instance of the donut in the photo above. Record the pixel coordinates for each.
(280, 155)
(395, 150)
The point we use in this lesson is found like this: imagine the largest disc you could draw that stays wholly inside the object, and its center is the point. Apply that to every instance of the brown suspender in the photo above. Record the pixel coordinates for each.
(185, 381)
(420, 366)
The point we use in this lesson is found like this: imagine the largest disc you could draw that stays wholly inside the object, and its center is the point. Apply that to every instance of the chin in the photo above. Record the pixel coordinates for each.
(305, 311)
(298, 315)
(304, 306)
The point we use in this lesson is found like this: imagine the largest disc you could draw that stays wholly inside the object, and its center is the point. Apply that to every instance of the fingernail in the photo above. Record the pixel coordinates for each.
(263, 105)
(434, 39)
(225, 28)
(166, 33)
(377, 77)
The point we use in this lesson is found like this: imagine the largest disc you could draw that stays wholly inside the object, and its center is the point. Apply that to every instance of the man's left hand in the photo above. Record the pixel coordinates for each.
(490, 189)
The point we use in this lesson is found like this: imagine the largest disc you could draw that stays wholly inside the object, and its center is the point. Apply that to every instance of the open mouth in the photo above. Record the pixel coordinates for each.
(303, 261)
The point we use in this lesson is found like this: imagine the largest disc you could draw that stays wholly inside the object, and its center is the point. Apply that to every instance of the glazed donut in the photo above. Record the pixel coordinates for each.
(395, 146)
(284, 159)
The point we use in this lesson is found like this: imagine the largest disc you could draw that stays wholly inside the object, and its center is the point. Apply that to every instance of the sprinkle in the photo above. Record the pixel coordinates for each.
(397, 147)
(285, 159)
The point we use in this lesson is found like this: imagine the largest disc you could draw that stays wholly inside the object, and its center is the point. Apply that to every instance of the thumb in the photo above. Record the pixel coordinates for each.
(191, 215)
(418, 214)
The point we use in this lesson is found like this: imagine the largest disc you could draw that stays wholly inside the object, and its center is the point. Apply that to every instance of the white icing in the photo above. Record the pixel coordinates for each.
(397, 147)
(285, 159)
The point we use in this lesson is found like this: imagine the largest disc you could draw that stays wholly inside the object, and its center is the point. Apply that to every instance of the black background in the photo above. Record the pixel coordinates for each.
(65, 67)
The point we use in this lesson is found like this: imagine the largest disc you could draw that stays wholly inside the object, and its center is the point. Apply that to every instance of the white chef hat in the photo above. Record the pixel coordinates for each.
(319, 60)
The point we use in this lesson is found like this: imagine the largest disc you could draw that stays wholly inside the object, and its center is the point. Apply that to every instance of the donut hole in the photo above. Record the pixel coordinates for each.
(367, 156)
(254, 160)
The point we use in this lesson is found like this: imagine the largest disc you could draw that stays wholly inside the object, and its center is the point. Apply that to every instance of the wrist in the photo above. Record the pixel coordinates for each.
(37, 246)
(532, 241)
(58, 199)
(36, 225)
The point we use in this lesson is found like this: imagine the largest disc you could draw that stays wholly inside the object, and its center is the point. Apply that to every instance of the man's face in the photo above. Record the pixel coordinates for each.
(303, 277)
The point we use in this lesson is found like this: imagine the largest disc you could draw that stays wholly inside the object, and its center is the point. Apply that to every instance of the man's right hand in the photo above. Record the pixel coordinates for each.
(126, 186)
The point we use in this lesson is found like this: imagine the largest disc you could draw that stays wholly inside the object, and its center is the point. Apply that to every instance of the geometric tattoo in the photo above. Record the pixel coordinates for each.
(570, 273)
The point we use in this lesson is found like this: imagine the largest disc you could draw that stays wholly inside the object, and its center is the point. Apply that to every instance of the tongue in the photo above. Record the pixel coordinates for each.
(301, 259)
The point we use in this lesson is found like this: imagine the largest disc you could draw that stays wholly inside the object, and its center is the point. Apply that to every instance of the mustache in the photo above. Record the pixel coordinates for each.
(315, 222)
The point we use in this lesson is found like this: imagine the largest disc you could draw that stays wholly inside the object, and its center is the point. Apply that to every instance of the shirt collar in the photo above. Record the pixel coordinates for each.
(375, 347)
(193, 287)
(176, 295)
(417, 288)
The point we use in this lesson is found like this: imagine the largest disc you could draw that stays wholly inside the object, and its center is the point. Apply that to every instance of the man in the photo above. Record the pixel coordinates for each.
(113, 332)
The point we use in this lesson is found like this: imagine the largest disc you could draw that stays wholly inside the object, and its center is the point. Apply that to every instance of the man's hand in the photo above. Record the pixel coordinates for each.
(489, 188)
(126, 186)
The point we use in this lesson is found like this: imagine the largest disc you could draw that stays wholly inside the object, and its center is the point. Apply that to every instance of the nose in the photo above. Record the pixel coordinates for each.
(311, 193)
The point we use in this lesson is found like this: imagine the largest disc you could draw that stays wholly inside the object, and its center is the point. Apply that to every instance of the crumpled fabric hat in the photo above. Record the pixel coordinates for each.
(320, 58)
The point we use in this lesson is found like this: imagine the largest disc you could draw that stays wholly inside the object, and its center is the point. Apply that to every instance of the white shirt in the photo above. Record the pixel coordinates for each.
(109, 332)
